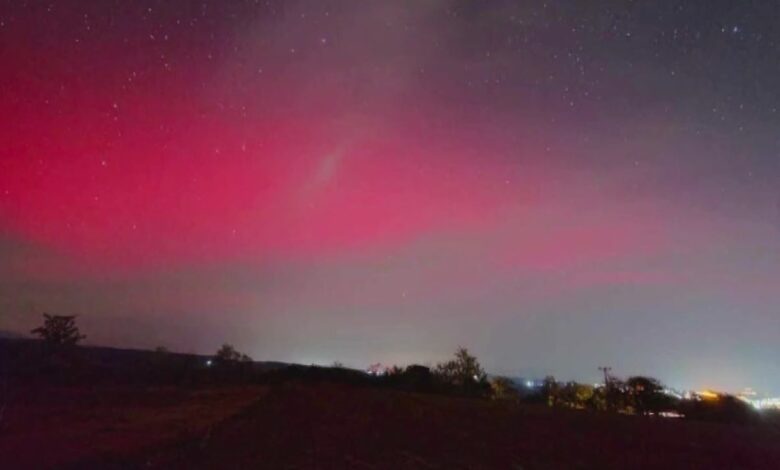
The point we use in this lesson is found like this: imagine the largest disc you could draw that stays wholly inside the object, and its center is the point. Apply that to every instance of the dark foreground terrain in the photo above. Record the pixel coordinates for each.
(295, 424)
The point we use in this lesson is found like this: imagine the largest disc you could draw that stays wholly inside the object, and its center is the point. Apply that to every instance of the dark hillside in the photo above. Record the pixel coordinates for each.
(297, 425)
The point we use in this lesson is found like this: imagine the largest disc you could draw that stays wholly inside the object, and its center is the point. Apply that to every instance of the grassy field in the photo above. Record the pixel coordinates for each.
(298, 424)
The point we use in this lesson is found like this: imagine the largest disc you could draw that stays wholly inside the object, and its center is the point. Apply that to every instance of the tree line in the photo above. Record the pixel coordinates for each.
(461, 375)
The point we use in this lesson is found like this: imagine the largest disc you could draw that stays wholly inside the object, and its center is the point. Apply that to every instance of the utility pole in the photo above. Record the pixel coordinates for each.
(606, 371)
(608, 391)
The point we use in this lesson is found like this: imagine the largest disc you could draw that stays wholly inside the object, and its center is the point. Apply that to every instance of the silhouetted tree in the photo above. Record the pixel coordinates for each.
(414, 377)
(616, 395)
(613, 392)
(598, 401)
(646, 395)
(463, 371)
(576, 395)
(502, 388)
(59, 330)
(551, 391)
(227, 354)
(418, 372)
(394, 371)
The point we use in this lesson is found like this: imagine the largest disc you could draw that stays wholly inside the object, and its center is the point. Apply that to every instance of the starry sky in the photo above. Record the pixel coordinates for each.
(556, 185)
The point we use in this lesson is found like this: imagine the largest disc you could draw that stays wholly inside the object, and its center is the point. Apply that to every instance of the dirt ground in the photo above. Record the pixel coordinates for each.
(55, 427)
(304, 425)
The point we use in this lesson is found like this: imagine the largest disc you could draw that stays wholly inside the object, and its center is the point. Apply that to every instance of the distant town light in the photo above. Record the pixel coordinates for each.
(762, 403)
(208, 362)
(708, 395)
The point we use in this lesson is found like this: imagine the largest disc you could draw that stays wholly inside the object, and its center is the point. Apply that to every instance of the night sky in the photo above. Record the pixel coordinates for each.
(556, 185)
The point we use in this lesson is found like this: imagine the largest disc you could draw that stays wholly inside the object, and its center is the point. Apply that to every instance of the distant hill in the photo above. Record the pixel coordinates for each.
(5, 334)
(26, 357)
